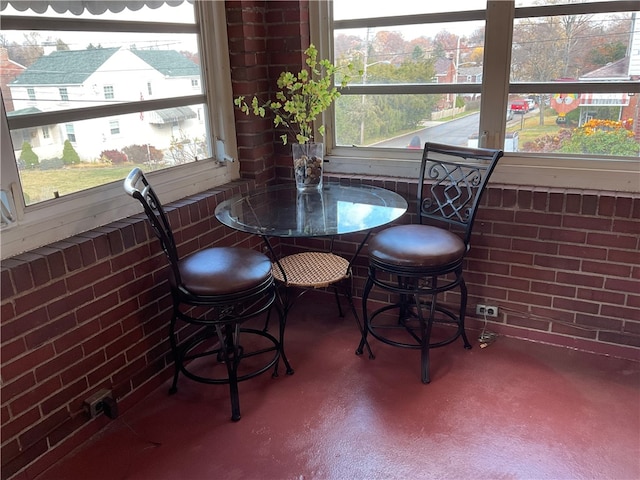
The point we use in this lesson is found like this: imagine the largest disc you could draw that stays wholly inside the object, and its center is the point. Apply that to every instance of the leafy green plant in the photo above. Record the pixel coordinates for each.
(69, 154)
(302, 97)
(28, 156)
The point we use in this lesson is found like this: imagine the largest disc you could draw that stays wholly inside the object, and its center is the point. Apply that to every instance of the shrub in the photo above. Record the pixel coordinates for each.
(549, 143)
(603, 137)
(28, 156)
(143, 153)
(115, 157)
(69, 154)
(51, 164)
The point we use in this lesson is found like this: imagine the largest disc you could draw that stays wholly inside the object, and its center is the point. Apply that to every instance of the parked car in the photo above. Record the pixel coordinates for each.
(519, 106)
(532, 103)
(509, 114)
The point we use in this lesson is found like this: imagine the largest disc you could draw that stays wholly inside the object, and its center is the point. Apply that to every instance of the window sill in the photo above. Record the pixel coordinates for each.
(618, 175)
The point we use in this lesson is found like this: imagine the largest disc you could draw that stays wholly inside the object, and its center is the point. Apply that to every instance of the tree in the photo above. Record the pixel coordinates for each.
(606, 53)
(184, 149)
(69, 154)
(30, 50)
(362, 120)
(476, 56)
(28, 156)
(446, 44)
(387, 45)
(61, 45)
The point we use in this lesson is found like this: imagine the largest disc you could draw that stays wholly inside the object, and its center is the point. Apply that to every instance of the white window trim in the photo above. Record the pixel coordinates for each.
(60, 218)
(515, 168)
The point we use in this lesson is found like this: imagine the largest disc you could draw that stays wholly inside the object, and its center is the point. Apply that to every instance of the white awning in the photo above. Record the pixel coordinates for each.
(170, 115)
(77, 7)
(604, 99)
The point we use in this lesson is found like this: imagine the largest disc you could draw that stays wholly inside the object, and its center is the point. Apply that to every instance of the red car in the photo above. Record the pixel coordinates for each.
(519, 106)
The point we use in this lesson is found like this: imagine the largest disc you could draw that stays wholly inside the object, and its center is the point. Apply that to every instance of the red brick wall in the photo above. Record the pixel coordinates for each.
(265, 38)
(562, 266)
(87, 313)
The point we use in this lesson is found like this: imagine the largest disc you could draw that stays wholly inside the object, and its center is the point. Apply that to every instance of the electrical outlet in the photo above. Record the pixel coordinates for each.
(488, 310)
(96, 403)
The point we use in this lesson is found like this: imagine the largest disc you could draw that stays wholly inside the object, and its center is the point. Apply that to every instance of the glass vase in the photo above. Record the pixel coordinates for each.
(307, 165)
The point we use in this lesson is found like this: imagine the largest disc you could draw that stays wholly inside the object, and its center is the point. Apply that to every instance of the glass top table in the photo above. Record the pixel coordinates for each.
(283, 211)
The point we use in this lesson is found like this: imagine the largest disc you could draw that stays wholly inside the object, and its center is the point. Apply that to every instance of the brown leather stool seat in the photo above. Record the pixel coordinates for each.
(417, 265)
(416, 247)
(224, 270)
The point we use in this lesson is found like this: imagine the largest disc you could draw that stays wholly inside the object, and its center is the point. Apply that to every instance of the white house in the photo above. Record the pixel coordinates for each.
(99, 76)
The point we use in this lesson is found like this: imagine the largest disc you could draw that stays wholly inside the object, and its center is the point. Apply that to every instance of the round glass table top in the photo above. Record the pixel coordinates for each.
(283, 211)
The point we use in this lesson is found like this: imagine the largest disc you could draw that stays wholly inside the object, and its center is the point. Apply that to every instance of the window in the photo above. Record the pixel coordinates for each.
(108, 92)
(45, 132)
(149, 89)
(576, 49)
(195, 83)
(441, 76)
(109, 61)
(71, 132)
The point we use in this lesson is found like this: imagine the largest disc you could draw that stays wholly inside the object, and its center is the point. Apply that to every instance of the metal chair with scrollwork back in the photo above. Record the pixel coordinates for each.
(420, 262)
(215, 291)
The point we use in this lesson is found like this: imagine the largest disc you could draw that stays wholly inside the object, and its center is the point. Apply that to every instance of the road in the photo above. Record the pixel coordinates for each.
(453, 132)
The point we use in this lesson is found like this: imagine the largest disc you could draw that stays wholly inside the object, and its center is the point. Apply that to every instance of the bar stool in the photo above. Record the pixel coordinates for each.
(215, 290)
(420, 262)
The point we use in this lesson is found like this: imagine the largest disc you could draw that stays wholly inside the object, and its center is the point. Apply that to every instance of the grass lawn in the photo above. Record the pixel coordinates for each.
(532, 128)
(40, 185)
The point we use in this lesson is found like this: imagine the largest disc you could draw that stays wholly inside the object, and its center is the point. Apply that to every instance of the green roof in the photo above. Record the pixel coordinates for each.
(23, 111)
(64, 67)
(71, 67)
(169, 62)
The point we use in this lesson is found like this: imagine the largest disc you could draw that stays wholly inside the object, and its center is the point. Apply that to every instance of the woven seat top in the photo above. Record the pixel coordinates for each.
(312, 269)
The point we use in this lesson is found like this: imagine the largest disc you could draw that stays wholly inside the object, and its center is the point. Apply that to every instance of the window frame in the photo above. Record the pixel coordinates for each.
(109, 93)
(64, 94)
(59, 218)
(515, 168)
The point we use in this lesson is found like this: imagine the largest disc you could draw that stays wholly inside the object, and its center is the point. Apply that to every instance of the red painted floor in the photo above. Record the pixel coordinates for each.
(514, 410)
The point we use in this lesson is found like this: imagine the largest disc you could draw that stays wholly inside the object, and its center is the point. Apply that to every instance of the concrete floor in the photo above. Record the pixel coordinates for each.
(513, 410)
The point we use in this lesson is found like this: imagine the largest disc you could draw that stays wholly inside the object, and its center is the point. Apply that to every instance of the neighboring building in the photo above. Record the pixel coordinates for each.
(100, 76)
(625, 69)
(445, 73)
(470, 74)
(590, 103)
(9, 70)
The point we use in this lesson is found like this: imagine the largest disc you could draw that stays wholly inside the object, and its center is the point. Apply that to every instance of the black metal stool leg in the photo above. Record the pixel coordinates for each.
(231, 352)
(337, 296)
(425, 336)
(283, 322)
(176, 355)
(365, 317)
(357, 317)
(463, 309)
